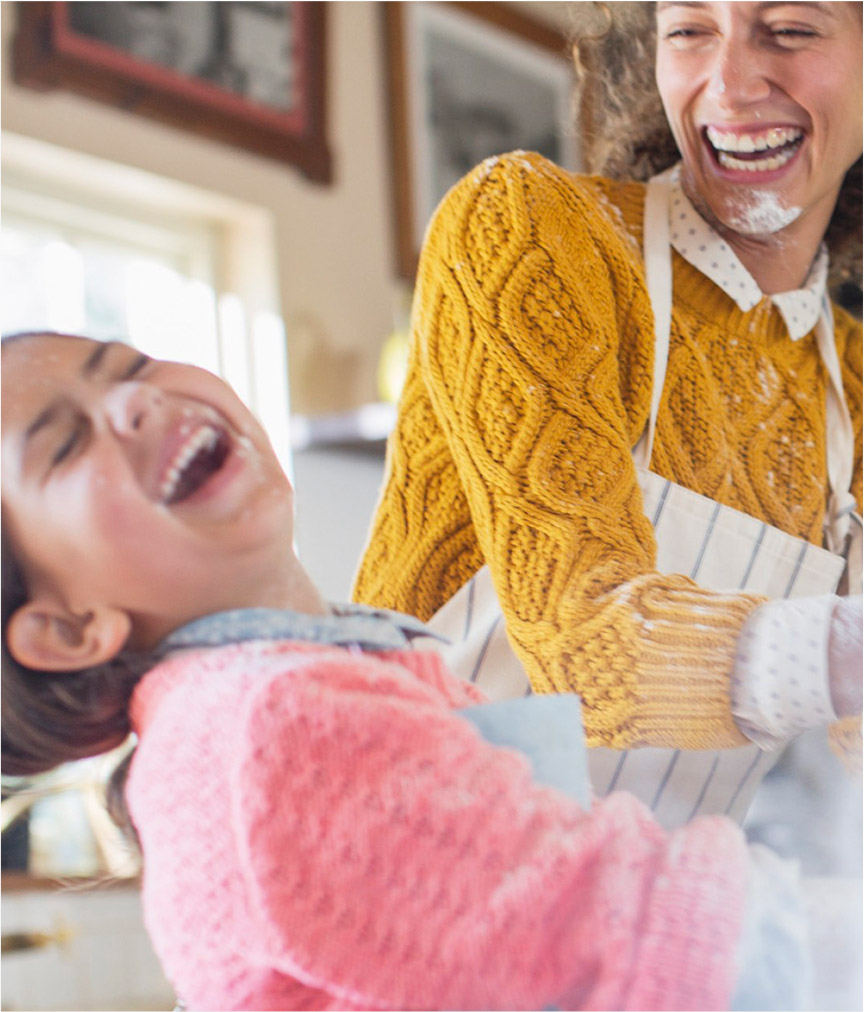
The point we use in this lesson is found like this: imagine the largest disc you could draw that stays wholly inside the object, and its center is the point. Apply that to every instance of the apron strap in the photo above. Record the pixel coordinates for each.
(839, 436)
(658, 278)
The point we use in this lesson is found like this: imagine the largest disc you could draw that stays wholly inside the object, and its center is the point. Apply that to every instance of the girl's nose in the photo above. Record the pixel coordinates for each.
(130, 406)
(737, 77)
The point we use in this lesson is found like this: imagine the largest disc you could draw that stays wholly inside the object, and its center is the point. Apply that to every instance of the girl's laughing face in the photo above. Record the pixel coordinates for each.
(140, 485)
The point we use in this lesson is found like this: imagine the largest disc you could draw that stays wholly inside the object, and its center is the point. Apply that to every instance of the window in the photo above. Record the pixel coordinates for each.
(73, 267)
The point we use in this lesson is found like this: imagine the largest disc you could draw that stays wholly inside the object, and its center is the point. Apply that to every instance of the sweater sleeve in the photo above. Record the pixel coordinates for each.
(397, 860)
(514, 448)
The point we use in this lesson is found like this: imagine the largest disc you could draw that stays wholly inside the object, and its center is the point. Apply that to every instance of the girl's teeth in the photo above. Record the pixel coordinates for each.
(201, 438)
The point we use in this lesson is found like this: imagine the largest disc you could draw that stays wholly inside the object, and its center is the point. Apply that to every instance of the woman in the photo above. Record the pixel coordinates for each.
(531, 381)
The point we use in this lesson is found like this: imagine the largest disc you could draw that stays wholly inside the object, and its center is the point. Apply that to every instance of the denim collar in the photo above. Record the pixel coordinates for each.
(347, 624)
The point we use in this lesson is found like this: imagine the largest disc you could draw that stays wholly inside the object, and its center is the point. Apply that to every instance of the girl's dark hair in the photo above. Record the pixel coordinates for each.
(51, 718)
(626, 135)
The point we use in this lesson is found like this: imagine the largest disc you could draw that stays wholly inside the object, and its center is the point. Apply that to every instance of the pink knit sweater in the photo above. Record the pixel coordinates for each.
(322, 831)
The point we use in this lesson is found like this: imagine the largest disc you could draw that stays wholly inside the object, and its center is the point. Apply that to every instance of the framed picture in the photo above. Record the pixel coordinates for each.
(248, 73)
(467, 81)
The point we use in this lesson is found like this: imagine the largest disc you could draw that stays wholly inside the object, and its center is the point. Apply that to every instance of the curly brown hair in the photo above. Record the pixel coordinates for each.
(625, 134)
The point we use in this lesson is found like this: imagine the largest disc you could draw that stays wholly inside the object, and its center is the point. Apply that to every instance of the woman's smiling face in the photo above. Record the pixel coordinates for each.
(764, 101)
(142, 485)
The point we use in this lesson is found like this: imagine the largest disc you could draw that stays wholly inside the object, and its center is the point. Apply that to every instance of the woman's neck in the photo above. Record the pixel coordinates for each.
(778, 262)
(777, 252)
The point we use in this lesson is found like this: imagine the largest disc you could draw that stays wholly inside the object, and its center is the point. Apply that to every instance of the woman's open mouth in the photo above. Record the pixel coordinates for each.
(196, 461)
(755, 152)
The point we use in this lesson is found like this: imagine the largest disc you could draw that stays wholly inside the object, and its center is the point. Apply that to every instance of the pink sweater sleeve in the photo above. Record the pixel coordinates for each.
(399, 861)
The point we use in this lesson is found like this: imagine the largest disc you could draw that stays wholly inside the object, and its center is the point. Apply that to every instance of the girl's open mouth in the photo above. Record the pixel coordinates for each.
(196, 461)
(765, 151)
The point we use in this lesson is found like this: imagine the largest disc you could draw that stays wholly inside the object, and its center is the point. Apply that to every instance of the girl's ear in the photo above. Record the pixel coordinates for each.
(43, 634)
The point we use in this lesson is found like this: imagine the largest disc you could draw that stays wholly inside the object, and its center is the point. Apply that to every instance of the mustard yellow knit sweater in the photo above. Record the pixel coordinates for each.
(529, 382)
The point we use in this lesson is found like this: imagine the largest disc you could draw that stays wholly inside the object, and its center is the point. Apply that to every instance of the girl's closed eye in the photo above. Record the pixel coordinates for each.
(74, 432)
(71, 441)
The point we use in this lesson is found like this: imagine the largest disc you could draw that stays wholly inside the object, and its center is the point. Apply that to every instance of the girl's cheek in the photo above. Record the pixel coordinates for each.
(113, 511)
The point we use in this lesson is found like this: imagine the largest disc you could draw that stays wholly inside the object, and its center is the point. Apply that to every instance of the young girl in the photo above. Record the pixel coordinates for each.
(321, 825)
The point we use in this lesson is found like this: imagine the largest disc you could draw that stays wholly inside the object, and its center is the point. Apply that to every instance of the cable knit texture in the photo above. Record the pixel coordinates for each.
(321, 830)
(528, 384)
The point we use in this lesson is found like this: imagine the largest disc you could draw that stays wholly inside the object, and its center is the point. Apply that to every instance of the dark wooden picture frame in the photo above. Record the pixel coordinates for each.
(228, 92)
(510, 68)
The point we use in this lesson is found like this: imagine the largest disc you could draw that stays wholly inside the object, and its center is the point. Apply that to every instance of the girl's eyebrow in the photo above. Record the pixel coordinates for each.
(94, 359)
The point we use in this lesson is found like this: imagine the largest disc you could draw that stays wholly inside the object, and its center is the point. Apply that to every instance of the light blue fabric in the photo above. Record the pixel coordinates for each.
(548, 730)
(368, 628)
(774, 957)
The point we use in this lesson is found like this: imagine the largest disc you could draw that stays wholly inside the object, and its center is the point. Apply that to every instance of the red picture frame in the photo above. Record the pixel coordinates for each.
(56, 47)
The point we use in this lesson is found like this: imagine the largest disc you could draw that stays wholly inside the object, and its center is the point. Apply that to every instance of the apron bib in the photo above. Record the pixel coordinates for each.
(720, 548)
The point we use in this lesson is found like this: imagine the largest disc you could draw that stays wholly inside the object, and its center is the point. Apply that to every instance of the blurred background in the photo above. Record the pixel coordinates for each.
(243, 185)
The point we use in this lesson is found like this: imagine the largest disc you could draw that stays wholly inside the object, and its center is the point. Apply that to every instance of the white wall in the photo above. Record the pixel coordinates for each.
(336, 495)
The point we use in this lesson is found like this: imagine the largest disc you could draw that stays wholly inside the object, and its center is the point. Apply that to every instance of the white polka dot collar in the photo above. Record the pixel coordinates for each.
(709, 253)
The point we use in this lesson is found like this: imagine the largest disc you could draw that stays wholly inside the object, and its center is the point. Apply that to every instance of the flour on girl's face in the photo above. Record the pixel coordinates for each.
(761, 213)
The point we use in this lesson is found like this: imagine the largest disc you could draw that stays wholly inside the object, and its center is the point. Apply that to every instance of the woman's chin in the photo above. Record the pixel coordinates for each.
(745, 209)
(760, 213)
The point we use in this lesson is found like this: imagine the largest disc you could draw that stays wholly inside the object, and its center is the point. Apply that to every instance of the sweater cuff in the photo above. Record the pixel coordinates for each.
(696, 916)
(683, 658)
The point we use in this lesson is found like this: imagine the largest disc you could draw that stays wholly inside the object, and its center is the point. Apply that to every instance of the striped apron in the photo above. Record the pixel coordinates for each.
(720, 548)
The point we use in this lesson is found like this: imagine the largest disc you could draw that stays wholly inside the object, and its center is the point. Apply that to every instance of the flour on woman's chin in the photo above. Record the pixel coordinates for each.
(761, 213)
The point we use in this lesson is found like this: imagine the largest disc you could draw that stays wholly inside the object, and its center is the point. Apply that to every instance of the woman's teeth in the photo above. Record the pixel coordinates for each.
(730, 145)
(204, 438)
(758, 165)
